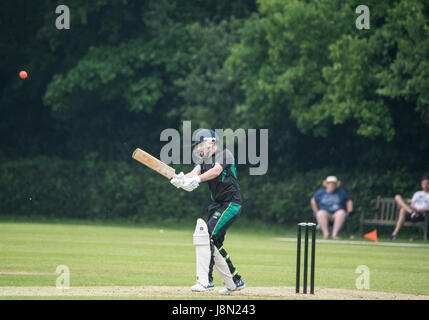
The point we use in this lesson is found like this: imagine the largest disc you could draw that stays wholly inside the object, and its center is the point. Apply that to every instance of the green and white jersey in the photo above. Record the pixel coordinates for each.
(225, 187)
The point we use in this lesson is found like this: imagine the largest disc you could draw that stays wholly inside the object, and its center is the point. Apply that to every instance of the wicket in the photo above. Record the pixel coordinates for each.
(312, 226)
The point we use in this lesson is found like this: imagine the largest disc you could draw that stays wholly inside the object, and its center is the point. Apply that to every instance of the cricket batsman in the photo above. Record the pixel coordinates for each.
(217, 167)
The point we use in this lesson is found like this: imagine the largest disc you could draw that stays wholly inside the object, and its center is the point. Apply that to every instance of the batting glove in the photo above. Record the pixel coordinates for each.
(177, 180)
(190, 184)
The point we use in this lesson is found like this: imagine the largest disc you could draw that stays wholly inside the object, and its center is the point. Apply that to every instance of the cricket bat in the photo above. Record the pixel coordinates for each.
(153, 163)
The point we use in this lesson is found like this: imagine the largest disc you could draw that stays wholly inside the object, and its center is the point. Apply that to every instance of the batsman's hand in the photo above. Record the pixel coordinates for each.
(190, 184)
(177, 180)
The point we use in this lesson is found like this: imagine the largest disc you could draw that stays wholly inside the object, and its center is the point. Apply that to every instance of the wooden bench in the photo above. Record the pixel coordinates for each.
(386, 212)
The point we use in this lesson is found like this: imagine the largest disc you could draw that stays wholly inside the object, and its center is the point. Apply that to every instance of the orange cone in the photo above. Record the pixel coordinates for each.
(372, 235)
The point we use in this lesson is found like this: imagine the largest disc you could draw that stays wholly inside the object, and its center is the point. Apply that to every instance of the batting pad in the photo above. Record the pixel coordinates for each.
(202, 250)
(223, 270)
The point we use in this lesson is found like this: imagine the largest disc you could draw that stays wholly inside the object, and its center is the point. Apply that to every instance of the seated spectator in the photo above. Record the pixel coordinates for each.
(416, 210)
(331, 204)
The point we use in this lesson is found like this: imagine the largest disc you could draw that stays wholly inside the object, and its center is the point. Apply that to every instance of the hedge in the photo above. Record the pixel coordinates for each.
(93, 188)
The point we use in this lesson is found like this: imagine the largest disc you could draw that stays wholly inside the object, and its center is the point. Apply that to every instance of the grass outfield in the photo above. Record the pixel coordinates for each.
(127, 256)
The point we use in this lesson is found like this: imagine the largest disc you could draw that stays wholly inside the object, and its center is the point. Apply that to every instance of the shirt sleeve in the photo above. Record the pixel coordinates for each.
(414, 198)
(344, 196)
(317, 195)
(225, 158)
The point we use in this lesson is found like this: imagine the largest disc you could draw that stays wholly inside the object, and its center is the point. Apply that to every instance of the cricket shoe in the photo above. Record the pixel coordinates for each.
(239, 285)
(198, 287)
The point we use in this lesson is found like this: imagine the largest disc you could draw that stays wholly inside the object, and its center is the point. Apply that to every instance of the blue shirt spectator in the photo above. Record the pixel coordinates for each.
(331, 202)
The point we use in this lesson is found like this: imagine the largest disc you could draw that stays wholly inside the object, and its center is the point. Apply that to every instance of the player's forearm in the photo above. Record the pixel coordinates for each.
(195, 172)
(211, 174)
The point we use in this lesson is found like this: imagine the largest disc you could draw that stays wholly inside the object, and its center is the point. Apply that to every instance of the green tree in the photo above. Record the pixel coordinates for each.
(406, 34)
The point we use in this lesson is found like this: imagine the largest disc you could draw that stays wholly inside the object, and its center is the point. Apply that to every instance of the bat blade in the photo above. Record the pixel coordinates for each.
(153, 163)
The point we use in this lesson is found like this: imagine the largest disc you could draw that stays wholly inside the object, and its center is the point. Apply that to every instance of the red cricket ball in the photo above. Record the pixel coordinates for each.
(23, 74)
